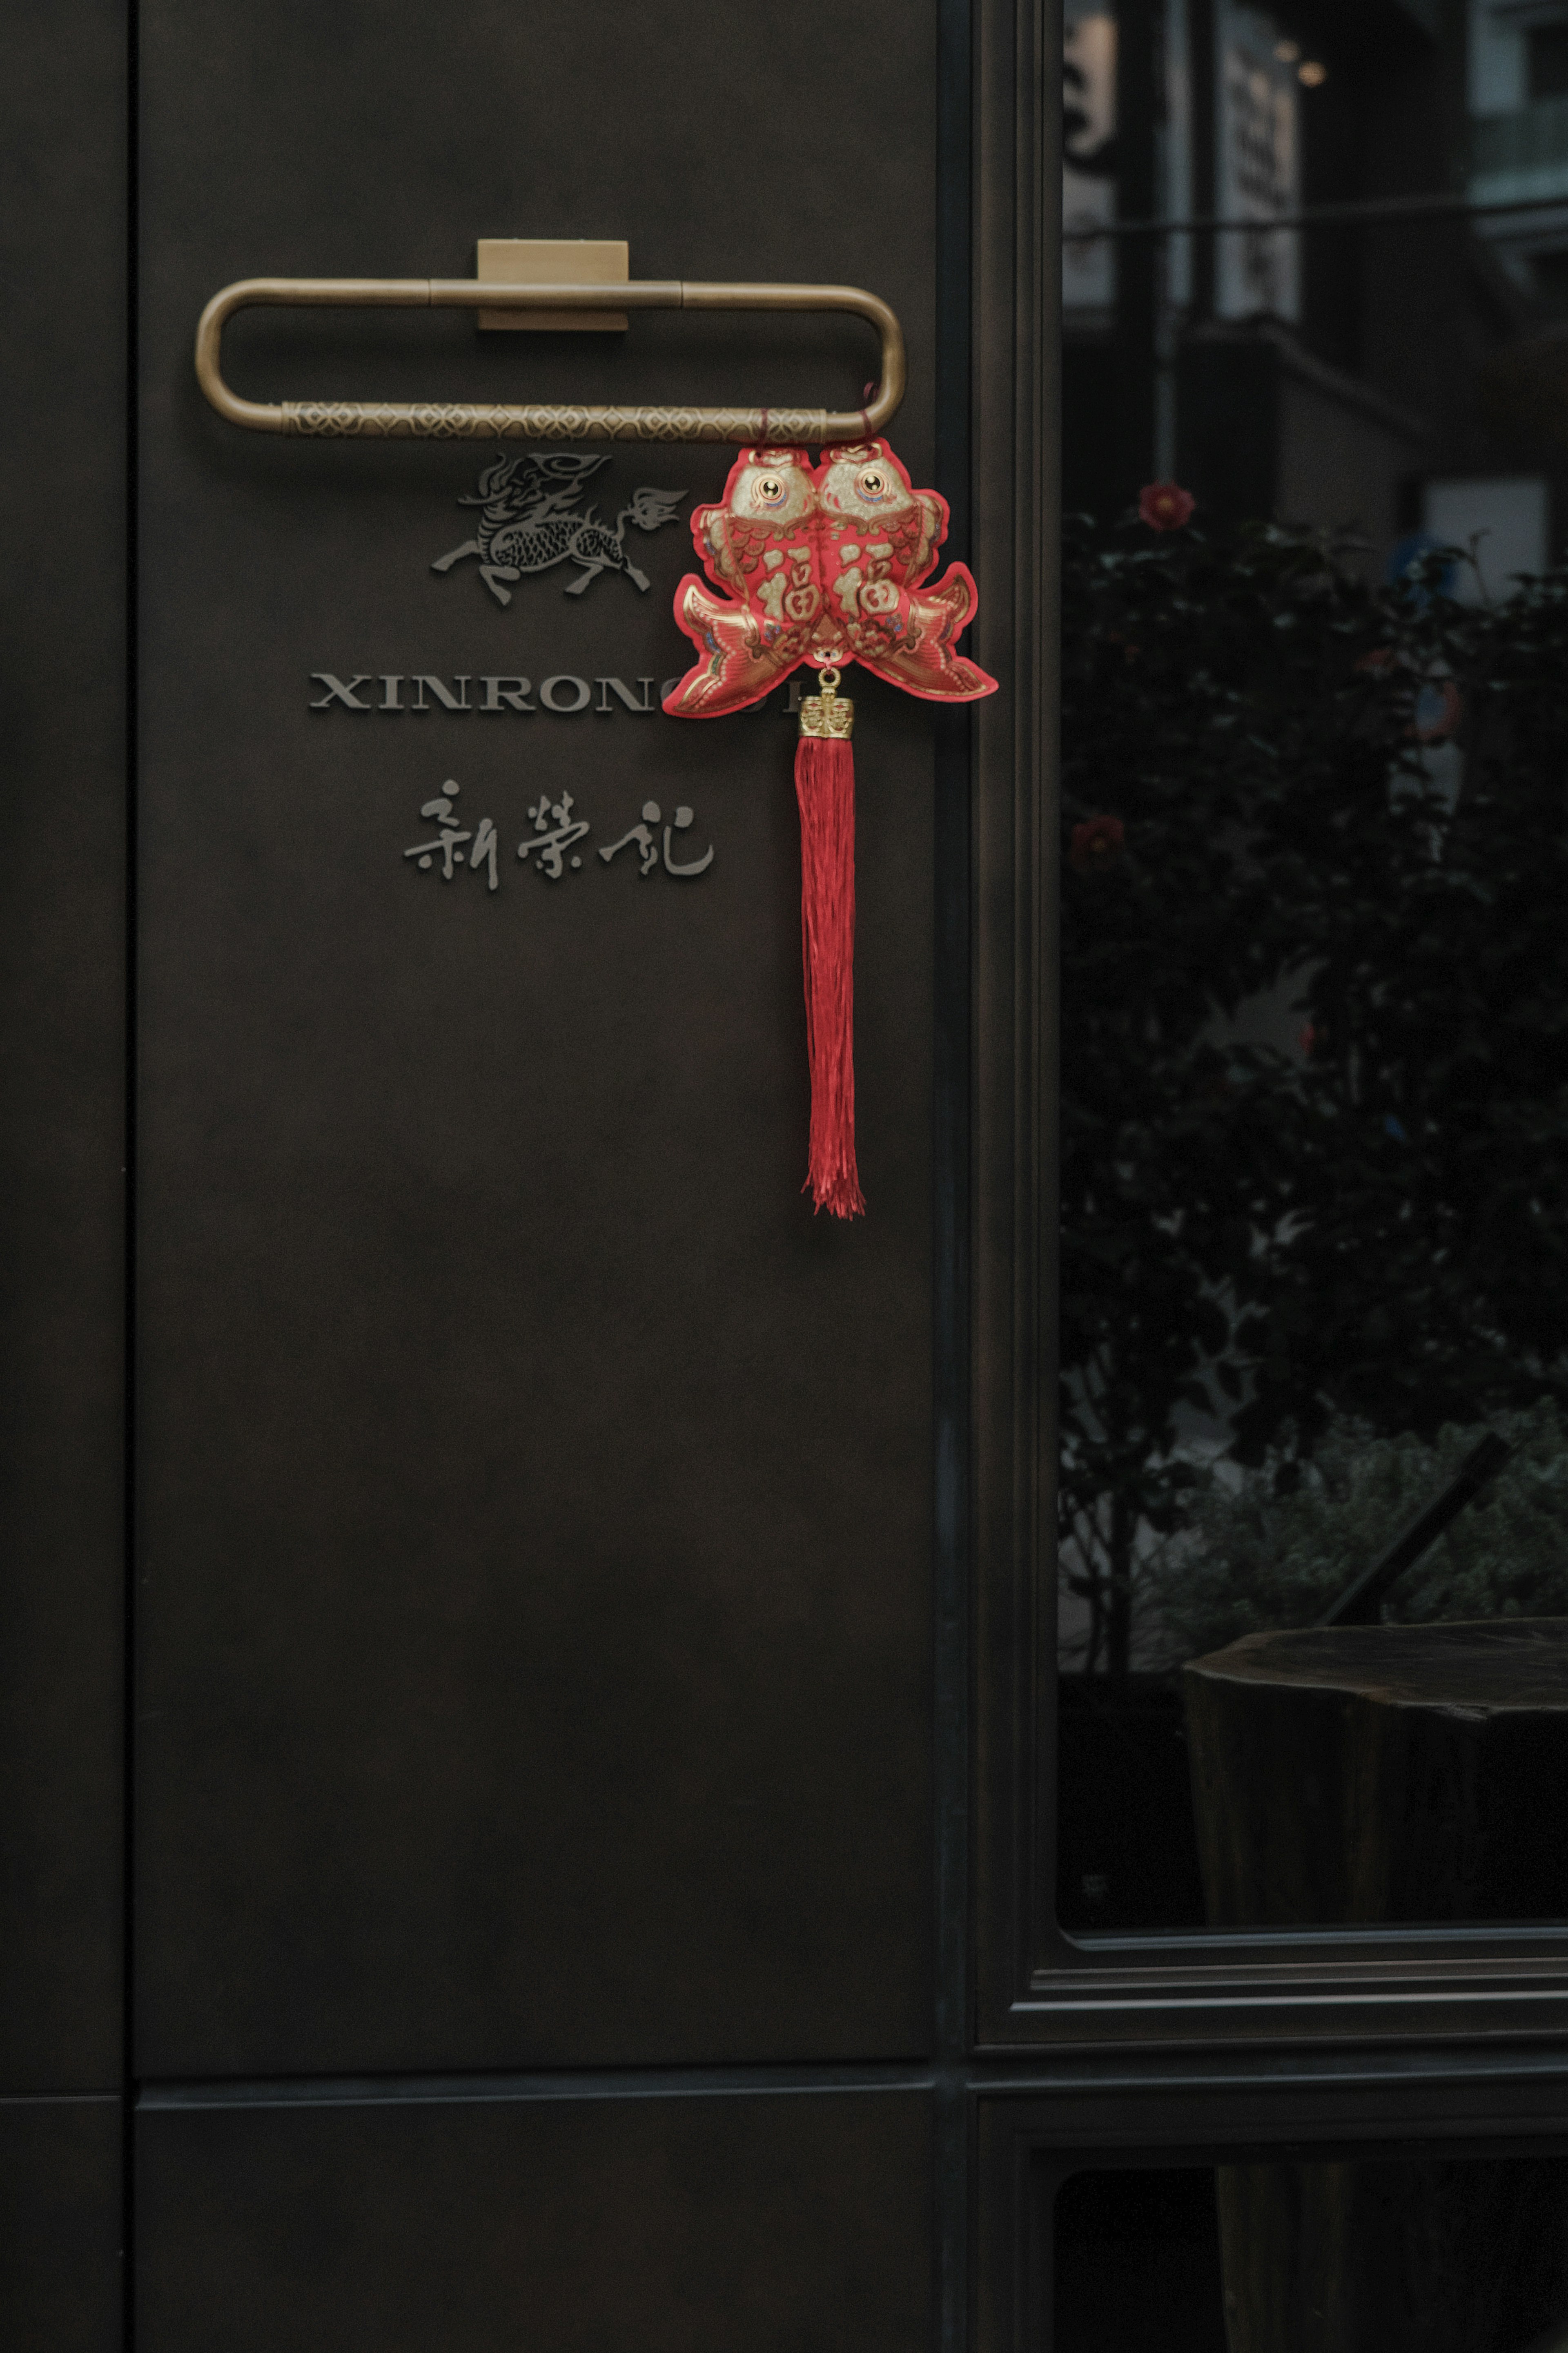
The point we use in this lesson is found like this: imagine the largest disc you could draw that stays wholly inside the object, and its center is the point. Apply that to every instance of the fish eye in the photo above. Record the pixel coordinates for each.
(872, 484)
(769, 489)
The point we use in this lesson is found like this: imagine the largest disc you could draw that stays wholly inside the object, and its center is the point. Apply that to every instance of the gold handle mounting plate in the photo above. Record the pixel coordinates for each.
(543, 262)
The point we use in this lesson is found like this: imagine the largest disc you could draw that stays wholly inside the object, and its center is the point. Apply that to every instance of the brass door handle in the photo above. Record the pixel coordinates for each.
(429, 420)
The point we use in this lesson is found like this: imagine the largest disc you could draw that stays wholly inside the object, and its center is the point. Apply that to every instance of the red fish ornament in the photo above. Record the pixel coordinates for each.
(825, 564)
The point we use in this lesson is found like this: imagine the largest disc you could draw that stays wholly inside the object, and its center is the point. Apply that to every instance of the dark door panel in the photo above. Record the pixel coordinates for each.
(60, 2215)
(62, 1082)
(535, 1499)
(671, 2224)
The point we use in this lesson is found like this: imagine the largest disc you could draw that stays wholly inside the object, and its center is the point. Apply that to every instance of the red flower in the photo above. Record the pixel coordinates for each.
(1439, 707)
(1098, 841)
(1307, 1039)
(1165, 506)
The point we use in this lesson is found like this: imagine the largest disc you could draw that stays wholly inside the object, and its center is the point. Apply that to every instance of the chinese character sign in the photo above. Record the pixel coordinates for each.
(1089, 159)
(550, 845)
(1257, 274)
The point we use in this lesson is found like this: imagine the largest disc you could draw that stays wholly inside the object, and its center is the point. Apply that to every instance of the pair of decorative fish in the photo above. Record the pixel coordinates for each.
(825, 565)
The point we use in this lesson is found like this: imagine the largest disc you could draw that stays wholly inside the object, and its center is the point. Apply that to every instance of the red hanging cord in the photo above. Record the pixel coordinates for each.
(824, 786)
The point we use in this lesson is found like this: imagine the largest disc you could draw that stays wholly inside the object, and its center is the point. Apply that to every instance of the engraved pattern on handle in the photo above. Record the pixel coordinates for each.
(462, 421)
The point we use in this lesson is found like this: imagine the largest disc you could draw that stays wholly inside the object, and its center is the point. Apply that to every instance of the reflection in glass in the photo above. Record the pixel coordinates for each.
(1438, 2255)
(1314, 1318)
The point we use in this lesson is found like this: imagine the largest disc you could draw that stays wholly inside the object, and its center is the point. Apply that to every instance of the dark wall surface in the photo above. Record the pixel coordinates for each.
(689, 2225)
(62, 1086)
(534, 1498)
(61, 2288)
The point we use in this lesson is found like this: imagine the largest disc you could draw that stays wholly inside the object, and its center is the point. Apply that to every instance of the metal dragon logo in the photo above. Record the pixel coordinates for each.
(531, 517)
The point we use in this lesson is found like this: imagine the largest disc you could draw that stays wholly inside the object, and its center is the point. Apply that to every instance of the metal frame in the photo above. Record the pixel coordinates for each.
(486, 421)
(1159, 2049)
(1028, 2138)
(1035, 1986)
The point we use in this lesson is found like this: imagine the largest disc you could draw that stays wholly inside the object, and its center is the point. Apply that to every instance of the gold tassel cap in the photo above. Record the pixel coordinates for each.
(828, 713)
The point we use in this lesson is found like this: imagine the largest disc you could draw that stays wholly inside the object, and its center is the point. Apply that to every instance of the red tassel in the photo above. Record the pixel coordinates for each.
(824, 786)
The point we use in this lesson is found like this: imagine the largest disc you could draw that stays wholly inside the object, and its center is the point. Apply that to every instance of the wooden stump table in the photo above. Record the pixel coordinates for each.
(1362, 1774)
(1356, 1775)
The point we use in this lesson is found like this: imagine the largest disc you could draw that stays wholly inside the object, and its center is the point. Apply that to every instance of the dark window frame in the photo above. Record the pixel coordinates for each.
(1035, 1986)
(1471, 2105)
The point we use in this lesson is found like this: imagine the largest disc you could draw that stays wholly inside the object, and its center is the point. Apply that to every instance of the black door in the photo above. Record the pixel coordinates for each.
(537, 1517)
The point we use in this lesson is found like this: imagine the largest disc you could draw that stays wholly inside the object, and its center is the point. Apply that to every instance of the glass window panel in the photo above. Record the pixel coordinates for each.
(1313, 1612)
(1451, 2255)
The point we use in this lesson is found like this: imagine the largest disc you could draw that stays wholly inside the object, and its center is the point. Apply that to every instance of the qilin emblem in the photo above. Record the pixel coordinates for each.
(531, 517)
